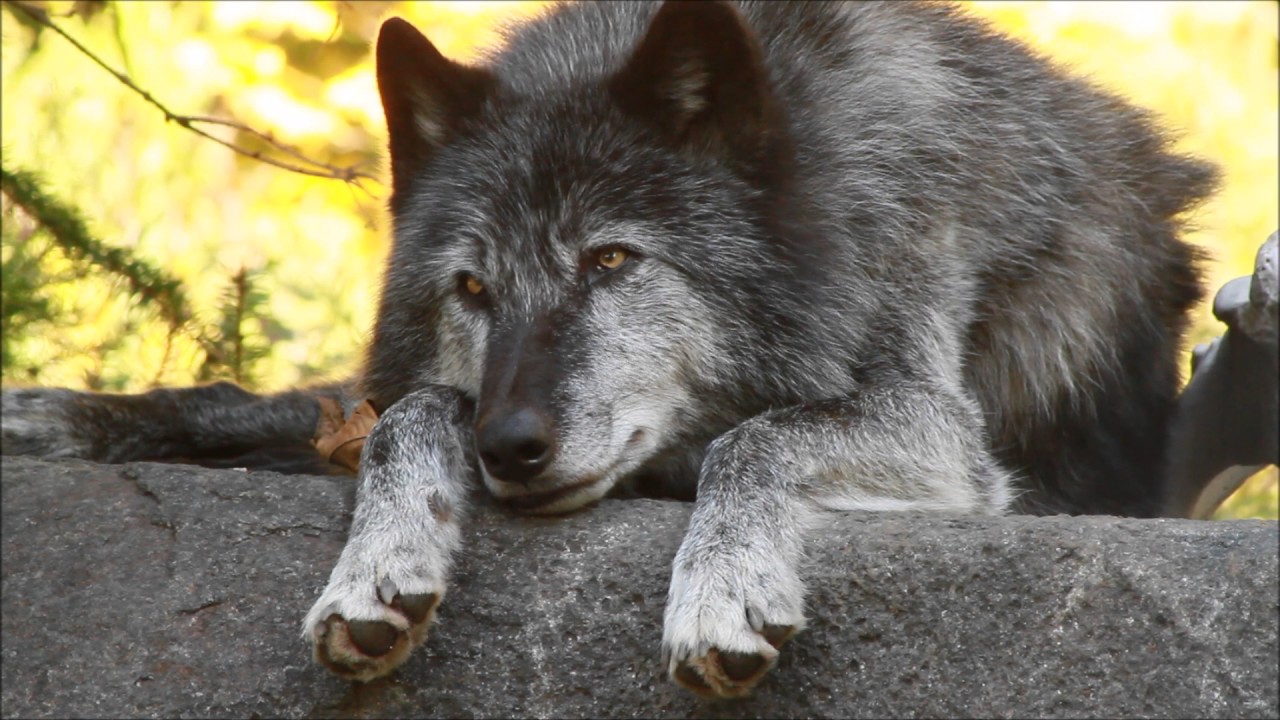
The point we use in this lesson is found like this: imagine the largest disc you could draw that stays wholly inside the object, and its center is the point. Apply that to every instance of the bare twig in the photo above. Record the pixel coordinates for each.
(310, 167)
(271, 139)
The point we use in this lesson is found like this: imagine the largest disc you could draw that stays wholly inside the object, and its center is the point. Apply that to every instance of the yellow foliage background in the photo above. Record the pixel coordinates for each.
(302, 72)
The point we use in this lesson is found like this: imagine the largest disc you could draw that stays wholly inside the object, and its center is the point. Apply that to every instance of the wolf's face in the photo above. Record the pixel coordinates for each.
(571, 258)
(565, 308)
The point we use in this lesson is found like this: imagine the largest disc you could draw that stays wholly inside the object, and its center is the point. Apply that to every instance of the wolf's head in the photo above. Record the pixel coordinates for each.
(578, 238)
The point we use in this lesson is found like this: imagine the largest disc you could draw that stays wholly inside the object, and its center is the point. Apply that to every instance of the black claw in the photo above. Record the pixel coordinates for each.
(415, 607)
(374, 637)
(741, 667)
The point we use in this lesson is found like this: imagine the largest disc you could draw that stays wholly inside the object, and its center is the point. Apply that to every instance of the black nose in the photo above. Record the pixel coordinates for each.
(516, 447)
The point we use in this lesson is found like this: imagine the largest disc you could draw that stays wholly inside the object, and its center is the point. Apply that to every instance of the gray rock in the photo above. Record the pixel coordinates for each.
(172, 591)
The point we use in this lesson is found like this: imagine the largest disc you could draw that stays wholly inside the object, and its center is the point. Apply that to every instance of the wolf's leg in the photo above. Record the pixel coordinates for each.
(383, 592)
(736, 594)
(192, 422)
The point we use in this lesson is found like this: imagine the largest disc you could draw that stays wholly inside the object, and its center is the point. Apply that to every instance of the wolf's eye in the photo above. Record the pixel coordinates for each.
(611, 258)
(470, 285)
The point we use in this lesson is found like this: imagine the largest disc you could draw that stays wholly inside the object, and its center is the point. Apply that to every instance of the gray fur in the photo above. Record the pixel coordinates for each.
(881, 258)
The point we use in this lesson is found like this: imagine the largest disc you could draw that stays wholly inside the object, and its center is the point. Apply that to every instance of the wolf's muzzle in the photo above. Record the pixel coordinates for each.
(516, 447)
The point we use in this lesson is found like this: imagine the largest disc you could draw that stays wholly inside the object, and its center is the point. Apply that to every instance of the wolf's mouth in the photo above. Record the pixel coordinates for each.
(552, 502)
(539, 502)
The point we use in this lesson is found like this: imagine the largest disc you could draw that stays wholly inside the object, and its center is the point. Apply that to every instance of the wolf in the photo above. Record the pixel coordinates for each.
(779, 259)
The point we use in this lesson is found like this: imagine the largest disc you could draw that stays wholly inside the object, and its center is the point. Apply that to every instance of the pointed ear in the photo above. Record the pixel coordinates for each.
(425, 96)
(698, 77)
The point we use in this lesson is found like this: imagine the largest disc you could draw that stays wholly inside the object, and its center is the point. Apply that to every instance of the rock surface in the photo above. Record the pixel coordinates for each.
(173, 591)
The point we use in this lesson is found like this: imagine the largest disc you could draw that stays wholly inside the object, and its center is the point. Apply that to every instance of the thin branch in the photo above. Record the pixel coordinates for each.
(318, 169)
(269, 138)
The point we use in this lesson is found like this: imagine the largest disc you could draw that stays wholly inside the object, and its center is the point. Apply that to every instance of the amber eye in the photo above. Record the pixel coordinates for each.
(472, 285)
(611, 258)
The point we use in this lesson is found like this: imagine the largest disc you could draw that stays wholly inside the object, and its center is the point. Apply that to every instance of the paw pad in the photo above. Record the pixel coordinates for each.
(372, 637)
(714, 673)
(363, 650)
(742, 667)
(415, 607)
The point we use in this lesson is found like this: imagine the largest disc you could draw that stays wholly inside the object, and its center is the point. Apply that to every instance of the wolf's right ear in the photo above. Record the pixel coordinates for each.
(425, 96)
(698, 78)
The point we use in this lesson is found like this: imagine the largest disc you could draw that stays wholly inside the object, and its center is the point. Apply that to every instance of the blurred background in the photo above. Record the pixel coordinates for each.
(138, 253)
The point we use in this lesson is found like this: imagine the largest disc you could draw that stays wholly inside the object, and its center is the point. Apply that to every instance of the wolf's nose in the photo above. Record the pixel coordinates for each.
(515, 447)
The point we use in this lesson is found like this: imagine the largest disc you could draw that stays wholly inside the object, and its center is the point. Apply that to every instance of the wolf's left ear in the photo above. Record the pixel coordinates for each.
(425, 96)
(698, 77)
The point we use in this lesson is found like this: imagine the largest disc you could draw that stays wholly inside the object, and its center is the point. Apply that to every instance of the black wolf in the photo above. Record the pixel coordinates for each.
(793, 257)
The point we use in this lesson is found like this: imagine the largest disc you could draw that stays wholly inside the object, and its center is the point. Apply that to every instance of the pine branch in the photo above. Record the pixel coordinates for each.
(72, 235)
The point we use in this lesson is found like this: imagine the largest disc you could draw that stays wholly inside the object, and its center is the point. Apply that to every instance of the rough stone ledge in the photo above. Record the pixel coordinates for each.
(171, 591)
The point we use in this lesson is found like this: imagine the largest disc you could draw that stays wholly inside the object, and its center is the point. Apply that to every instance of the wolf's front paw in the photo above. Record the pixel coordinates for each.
(374, 612)
(42, 422)
(726, 619)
